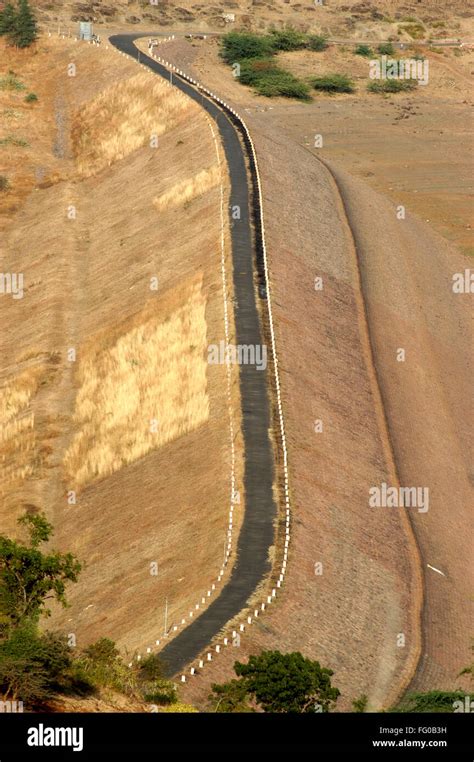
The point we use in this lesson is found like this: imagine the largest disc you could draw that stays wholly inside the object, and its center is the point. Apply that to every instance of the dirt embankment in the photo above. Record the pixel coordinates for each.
(105, 389)
(361, 616)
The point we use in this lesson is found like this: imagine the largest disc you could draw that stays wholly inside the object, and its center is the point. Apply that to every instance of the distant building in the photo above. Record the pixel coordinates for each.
(85, 30)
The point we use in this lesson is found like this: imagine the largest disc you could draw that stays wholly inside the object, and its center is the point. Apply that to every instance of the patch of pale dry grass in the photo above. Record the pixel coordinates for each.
(126, 116)
(186, 190)
(17, 433)
(141, 391)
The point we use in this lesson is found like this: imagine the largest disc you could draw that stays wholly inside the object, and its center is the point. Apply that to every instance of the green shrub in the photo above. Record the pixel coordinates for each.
(386, 49)
(11, 82)
(416, 31)
(364, 50)
(101, 665)
(230, 697)
(159, 692)
(34, 667)
(287, 39)
(317, 42)
(151, 683)
(333, 83)
(179, 709)
(151, 668)
(360, 705)
(252, 70)
(269, 80)
(31, 98)
(11, 140)
(285, 85)
(392, 85)
(432, 701)
(237, 46)
(4, 183)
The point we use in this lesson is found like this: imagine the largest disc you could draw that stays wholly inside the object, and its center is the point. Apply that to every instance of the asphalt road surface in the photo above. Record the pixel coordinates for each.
(257, 531)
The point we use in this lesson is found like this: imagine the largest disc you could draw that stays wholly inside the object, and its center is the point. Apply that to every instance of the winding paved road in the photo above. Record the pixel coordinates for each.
(257, 532)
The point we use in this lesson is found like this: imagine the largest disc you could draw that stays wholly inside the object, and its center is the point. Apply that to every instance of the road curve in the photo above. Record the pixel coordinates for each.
(257, 531)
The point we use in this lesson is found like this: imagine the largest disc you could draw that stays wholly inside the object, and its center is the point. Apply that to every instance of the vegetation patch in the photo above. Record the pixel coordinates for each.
(364, 50)
(35, 666)
(237, 46)
(18, 24)
(11, 140)
(10, 81)
(434, 701)
(288, 39)
(255, 56)
(392, 85)
(333, 83)
(277, 682)
(270, 80)
(317, 42)
(386, 49)
(415, 30)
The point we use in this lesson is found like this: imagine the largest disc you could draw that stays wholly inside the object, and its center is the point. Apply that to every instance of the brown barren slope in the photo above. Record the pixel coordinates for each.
(352, 615)
(138, 425)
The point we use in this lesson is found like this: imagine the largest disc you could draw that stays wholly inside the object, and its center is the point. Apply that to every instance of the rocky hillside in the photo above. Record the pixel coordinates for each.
(344, 18)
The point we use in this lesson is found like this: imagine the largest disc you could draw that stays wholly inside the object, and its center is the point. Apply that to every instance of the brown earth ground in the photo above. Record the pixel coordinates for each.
(350, 617)
(143, 496)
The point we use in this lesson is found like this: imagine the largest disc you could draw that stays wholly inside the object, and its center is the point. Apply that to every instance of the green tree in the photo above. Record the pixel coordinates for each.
(287, 39)
(25, 29)
(29, 577)
(7, 19)
(152, 685)
(33, 666)
(230, 697)
(239, 45)
(280, 683)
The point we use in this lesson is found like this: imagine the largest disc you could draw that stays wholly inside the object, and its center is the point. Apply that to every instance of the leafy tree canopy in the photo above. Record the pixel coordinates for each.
(279, 682)
(30, 577)
(19, 24)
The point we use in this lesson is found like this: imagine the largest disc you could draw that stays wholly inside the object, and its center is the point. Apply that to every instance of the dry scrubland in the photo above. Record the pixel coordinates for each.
(409, 146)
(397, 292)
(343, 18)
(138, 425)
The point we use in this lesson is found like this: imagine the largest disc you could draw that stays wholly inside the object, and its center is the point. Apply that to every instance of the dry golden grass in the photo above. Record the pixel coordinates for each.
(124, 117)
(156, 372)
(17, 435)
(171, 504)
(183, 192)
